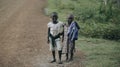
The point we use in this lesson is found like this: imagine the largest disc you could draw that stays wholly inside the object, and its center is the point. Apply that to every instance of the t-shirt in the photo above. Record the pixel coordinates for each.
(55, 29)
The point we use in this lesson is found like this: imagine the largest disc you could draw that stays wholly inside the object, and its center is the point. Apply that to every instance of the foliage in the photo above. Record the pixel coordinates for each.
(96, 18)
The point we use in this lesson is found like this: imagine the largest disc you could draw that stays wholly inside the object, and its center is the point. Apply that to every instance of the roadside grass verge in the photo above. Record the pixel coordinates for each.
(99, 52)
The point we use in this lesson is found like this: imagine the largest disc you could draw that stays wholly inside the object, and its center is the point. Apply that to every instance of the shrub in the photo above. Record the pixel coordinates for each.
(100, 21)
(113, 33)
(99, 30)
(82, 14)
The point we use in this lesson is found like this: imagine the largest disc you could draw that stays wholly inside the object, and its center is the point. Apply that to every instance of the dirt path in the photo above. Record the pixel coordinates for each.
(23, 35)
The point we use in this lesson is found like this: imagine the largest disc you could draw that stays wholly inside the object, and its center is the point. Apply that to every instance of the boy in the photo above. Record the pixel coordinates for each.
(54, 33)
(72, 37)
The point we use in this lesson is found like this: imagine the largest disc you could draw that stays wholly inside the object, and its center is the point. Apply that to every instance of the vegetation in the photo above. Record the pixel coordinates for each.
(97, 18)
(99, 52)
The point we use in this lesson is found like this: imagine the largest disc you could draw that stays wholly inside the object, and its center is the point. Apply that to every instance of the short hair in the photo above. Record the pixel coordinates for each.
(71, 16)
(54, 14)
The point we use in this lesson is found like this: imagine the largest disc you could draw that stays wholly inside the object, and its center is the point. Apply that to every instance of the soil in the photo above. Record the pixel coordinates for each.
(23, 33)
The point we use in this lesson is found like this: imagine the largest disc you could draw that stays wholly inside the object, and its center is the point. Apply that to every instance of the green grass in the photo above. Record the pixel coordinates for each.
(86, 12)
(66, 7)
(100, 52)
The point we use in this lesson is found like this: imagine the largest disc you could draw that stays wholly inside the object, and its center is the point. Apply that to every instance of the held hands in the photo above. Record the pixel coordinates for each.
(54, 37)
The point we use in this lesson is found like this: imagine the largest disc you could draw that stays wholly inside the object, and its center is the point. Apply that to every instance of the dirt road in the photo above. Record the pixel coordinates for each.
(23, 28)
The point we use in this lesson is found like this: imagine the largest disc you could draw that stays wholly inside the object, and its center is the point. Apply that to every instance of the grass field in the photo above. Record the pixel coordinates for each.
(100, 52)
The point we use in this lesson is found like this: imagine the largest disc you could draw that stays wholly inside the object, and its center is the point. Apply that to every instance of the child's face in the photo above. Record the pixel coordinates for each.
(70, 20)
(54, 18)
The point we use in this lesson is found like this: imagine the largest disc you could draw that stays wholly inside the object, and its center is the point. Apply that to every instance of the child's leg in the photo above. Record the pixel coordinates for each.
(67, 54)
(72, 47)
(60, 55)
(54, 59)
(52, 48)
(71, 55)
(59, 48)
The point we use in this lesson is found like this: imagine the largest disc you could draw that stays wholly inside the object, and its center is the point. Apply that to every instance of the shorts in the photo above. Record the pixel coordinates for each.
(57, 46)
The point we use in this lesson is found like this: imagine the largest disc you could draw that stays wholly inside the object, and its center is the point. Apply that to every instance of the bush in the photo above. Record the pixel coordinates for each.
(99, 30)
(100, 21)
(82, 14)
(113, 33)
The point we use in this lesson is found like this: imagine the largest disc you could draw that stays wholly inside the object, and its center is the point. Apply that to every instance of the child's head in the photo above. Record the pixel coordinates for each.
(54, 17)
(70, 19)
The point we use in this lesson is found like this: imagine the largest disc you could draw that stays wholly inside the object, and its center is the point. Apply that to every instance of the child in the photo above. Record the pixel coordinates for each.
(65, 49)
(54, 33)
(72, 37)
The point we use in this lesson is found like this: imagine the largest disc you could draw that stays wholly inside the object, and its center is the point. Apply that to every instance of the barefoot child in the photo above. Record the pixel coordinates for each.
(70, 35)
(54, 33)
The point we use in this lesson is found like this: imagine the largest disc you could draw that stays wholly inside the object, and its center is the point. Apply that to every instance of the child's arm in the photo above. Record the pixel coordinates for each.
(48, 35)
(63, 34)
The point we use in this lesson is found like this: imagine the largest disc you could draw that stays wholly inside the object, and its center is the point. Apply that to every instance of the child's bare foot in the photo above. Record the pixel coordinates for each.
(60, 62)
(53, 61)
